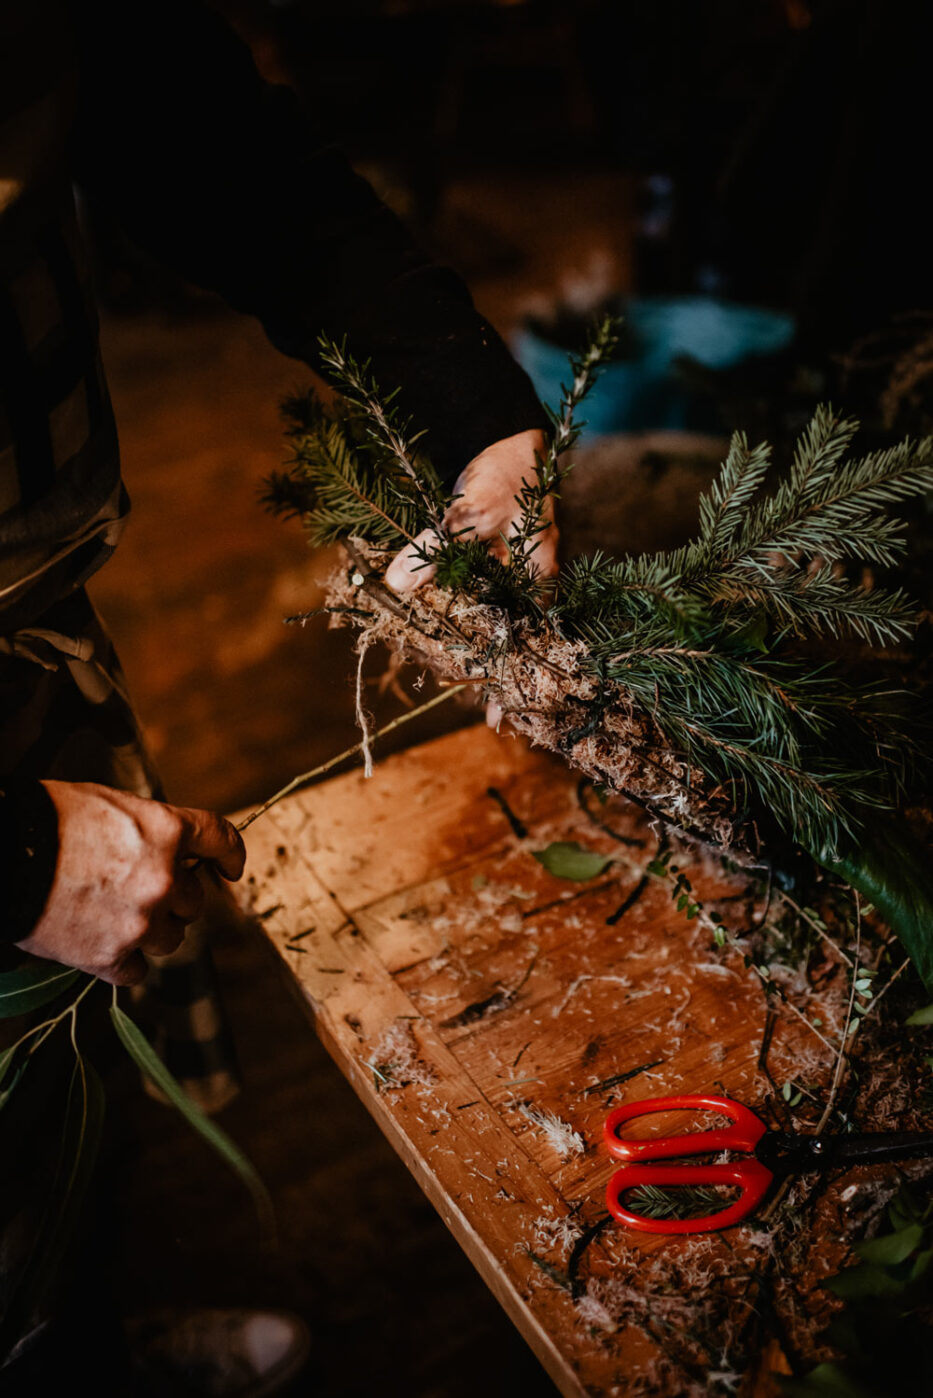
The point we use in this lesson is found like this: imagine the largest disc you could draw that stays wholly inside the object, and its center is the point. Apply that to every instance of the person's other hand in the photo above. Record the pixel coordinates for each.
(486, 509)
(121, 885)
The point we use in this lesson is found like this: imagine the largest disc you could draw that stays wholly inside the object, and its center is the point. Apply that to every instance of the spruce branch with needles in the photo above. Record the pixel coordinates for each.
(702, 676)
(384, 428)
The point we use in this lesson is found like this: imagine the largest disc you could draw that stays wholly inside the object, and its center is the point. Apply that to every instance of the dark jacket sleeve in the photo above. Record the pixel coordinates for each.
(228, 180)
(28, 851)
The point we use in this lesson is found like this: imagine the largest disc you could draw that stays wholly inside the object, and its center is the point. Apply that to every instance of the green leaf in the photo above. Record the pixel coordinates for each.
(892, 1248)
(924, 1016)
(889, 868)
(657, 868)
(908, 1207)
(566, 859)
(827, 1380)
(33, 984)
(865, 1280)
(149, 1063)
(921, 1264)
(753, 634)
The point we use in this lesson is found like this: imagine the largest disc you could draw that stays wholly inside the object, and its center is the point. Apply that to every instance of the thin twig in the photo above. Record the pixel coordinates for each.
(884, 990)
(812, 922)
(305, 777)
(841, 1059)
(49, 1024)
(789, 1004)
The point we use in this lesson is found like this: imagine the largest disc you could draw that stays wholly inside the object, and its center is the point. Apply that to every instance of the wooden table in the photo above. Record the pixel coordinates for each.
(467, 993)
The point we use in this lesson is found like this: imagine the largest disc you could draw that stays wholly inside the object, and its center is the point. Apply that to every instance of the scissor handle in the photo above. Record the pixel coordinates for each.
(744, 1134)
(750, 1176)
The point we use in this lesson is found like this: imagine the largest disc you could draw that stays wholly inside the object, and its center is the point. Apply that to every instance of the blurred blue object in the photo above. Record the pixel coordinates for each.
(644, 392)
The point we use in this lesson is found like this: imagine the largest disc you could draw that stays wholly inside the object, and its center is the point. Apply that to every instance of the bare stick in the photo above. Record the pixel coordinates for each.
(812, 922)
(846, 1030)
(305, 777)
(884, 990)
(788, 1004)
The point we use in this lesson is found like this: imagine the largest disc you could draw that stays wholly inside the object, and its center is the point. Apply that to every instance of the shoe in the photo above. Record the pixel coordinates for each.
(217, 1353)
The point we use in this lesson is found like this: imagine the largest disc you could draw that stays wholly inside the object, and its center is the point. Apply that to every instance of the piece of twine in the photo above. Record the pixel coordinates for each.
(363, 721)
(305, 777)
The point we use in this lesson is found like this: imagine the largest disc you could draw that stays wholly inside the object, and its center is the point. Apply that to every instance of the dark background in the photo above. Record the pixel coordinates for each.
(773, 152)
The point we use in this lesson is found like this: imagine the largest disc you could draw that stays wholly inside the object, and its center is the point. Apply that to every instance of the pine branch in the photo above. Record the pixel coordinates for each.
(818, 604)
(819, 451)
(697, 641)
(285, 495)
(835, 511)
(334, 487)
(383, 427)
(722, 509)
(565, 432)
(814, 753)
(601, 591)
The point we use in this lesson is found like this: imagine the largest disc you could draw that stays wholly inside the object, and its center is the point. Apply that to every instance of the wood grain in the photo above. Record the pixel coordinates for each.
(464, 992)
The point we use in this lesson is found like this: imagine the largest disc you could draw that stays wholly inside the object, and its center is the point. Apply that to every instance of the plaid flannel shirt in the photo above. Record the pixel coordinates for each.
(61, 500)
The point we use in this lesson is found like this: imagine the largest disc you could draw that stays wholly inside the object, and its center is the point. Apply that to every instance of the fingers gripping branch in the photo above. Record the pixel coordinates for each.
(123, 883)
(488, 505)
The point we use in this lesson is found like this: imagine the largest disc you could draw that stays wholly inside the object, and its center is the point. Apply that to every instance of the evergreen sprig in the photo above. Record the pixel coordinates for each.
(790, 740)
(703, 638)
(337, 482)
(384, 429)
(565, 431)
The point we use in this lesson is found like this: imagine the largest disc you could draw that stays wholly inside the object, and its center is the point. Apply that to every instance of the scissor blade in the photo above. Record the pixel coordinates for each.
(879, 1146)
(789, 1153)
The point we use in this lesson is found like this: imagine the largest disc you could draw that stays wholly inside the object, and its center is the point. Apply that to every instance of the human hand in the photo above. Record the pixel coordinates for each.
(121, 887)
(486, 509)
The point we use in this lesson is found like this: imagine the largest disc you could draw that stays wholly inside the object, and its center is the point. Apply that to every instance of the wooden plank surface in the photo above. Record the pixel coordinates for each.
(466, 993)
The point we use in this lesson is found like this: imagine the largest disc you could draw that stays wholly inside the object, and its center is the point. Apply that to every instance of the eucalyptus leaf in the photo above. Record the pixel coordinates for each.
(828, 1380)
(149, 1063)
(921, 1264)
(924, 1016)
(891, 1248)
(908, 1206)
(33, 984)
(855, 1283)
(566, 859)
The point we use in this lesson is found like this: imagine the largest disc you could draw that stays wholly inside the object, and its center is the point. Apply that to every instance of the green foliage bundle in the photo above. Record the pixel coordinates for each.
(713, 642)
(703, 636)
(41, 985)
(881, 1335)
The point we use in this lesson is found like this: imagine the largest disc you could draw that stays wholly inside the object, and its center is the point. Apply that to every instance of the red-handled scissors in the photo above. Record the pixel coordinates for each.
(767, 1154)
